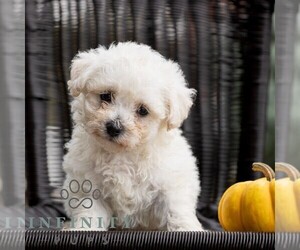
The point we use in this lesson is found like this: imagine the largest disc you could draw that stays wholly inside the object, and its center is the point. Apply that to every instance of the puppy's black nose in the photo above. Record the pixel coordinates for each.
(114, 128)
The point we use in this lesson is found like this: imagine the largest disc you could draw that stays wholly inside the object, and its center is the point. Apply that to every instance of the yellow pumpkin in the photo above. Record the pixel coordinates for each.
(297, 193)
(249, 206)
(287, 198)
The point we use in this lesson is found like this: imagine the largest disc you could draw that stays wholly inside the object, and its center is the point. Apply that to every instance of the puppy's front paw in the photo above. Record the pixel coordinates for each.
(185, 225)
(185, 228)
(84, 229)
(78, 227)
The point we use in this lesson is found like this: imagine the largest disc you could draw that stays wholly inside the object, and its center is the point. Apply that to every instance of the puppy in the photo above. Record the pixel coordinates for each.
(128, 105)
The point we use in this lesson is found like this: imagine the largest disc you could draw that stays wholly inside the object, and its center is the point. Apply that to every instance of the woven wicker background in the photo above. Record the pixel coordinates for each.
(223, 48)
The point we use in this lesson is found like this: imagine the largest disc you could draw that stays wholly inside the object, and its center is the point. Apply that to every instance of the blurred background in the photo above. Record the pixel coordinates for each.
(12, 111)
(287, 61)
(226, 49)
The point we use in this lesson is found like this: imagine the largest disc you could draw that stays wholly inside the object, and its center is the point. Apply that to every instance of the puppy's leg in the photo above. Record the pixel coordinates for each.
(181, 215)
(95, 218)
(183, 222)
(84, 206)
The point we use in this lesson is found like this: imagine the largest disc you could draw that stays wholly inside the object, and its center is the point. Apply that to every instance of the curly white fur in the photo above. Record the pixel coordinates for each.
(148, 173)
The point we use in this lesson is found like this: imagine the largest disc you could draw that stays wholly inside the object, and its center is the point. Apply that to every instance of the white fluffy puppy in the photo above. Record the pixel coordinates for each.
(128, 104)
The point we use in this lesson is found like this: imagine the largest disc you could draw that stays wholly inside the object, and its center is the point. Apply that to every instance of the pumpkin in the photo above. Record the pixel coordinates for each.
(287, 198)
(249, 205)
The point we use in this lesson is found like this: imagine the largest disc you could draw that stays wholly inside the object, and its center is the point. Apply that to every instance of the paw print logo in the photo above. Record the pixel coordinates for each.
(85, 188)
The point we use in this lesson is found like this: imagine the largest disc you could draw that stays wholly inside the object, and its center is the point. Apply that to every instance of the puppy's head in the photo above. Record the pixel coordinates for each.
(127, 95)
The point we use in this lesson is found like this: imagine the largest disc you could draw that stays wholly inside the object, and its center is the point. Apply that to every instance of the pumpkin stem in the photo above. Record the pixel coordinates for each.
(288, 169)
(265, 169)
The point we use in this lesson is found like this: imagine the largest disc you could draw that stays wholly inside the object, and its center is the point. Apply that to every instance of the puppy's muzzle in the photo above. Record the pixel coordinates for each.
(114, 128)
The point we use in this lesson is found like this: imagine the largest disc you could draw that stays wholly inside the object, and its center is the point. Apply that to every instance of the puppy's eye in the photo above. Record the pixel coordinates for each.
(142, 111)
(106, 97)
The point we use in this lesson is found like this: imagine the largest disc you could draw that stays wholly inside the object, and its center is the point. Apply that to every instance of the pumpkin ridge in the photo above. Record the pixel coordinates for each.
(268, 198)
(223, 199)
(272, 194)
(241, 204)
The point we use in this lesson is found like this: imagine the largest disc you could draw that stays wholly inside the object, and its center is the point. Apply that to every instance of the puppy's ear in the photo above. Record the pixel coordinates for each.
(79, 66)
(180, 101)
